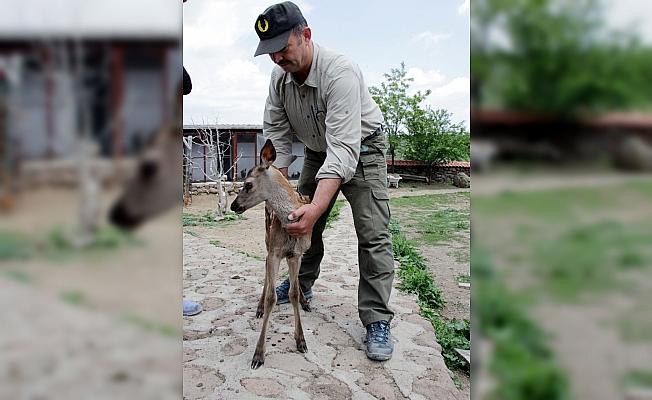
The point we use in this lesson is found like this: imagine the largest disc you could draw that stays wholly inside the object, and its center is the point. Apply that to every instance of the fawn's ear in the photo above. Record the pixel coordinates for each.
(267, 154)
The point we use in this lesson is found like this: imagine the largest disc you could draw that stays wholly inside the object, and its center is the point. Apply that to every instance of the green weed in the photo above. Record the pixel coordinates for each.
(415, 278)
(590, 256)
(522, 364)
(18, 276)
(74, 297)
(208, 219)
(14, 246)
(638, 378)
(160, 328)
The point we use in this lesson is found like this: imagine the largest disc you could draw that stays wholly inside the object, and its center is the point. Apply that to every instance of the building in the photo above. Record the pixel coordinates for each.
(88, 68)
(241, 143)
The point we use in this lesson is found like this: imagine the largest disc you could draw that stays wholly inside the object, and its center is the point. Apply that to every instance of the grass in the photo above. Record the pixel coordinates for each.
(335, 213)
(74, 297)
(433, 219)
(208, 219)
(522, 365)
(151, 326)
(638, 379)
(464, 279)
(416, 279)
(18, 276)
(14, 246)
(216, 243)
(57, 243)
(635, 329)
(568, 253)
(556, 205)
(254, 256)
(461, 256)
(591, 256)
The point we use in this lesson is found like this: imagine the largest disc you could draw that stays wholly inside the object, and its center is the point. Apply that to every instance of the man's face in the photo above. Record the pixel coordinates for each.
(292, 57)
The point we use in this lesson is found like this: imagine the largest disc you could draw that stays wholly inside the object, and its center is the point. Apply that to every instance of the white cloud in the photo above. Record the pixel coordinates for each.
(424, 79)
(229, 84)
(464, 7)
(430, 38)
(630, 16)
(459, 85)
(450, 94)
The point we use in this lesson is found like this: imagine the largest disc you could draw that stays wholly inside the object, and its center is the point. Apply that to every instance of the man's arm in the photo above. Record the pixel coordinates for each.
(276, 125)
(308, 214)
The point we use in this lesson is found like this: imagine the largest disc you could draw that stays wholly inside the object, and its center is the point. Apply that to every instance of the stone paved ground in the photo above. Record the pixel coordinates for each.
(53, 350)
(219, 343)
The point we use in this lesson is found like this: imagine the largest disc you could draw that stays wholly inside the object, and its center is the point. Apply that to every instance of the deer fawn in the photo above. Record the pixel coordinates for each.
(263, 183)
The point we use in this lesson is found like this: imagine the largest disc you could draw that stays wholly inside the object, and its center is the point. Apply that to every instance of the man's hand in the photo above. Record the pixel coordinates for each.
(307, 215)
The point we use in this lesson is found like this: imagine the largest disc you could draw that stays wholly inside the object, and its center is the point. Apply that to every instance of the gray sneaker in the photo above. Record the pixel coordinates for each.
(379, 341)
(283, 290)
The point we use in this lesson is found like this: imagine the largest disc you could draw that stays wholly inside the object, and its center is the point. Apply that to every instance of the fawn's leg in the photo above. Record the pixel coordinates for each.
(295, 294)
(271, 269)
(261, 303)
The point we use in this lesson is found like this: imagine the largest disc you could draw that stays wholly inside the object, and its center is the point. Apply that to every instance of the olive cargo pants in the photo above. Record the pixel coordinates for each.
(367, 194)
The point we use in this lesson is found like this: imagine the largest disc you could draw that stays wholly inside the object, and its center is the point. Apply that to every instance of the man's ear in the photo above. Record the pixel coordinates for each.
(267, 154)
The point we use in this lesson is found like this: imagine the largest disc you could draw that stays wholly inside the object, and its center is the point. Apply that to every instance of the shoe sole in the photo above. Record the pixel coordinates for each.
(378, 356)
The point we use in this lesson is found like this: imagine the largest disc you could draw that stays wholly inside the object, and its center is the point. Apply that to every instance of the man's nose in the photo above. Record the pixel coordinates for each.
(276, 57)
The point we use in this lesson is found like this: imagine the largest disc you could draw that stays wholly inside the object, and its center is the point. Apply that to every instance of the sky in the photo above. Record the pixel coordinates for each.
(230, 85)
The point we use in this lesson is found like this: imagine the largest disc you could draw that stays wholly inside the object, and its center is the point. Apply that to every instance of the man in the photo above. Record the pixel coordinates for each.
(321, 97)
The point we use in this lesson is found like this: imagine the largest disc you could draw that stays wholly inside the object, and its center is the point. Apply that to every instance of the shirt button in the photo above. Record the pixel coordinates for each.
(313, 135)
(308, 116)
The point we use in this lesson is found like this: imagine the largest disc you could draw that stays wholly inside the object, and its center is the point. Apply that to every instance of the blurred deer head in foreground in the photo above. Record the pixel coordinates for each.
(156, 185)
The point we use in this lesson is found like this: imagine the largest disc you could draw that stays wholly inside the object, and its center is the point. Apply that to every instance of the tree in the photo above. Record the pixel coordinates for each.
(218, 148)
(434, 138)
(396, 105)
(555, 57)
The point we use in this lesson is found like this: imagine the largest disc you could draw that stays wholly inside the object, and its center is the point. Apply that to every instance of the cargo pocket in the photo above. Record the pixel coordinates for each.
(382, 214)
(370, 168)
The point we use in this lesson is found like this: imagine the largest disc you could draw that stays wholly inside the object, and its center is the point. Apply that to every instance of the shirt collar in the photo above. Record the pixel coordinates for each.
(311, 80)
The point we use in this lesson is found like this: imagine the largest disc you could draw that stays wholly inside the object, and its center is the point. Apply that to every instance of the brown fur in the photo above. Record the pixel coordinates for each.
(266, 183)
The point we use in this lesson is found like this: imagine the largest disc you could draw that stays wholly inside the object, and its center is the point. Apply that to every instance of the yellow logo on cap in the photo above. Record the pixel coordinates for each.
(260, 27)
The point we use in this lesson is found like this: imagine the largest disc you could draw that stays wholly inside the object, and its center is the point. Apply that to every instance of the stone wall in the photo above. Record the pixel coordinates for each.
(440, 174)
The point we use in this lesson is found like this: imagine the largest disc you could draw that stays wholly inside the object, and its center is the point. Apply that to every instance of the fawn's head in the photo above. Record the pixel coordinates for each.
(152, 190)
(259, 181)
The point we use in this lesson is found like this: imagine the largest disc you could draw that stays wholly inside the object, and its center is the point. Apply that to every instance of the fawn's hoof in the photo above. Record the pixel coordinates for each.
(257, 361)
(306, 307)
(301, 346)
(259, 313)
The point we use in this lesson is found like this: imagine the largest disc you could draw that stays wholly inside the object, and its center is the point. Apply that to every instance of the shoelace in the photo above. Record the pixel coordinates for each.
(379, 332)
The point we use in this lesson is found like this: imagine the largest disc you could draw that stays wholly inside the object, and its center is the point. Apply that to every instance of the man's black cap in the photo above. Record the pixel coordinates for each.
(274, 26)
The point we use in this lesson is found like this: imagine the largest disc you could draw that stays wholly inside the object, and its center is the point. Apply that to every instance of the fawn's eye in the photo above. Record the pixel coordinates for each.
(248, 186)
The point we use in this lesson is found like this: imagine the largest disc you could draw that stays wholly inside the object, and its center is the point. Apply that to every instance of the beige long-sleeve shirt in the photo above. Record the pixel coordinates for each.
(332, 112)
